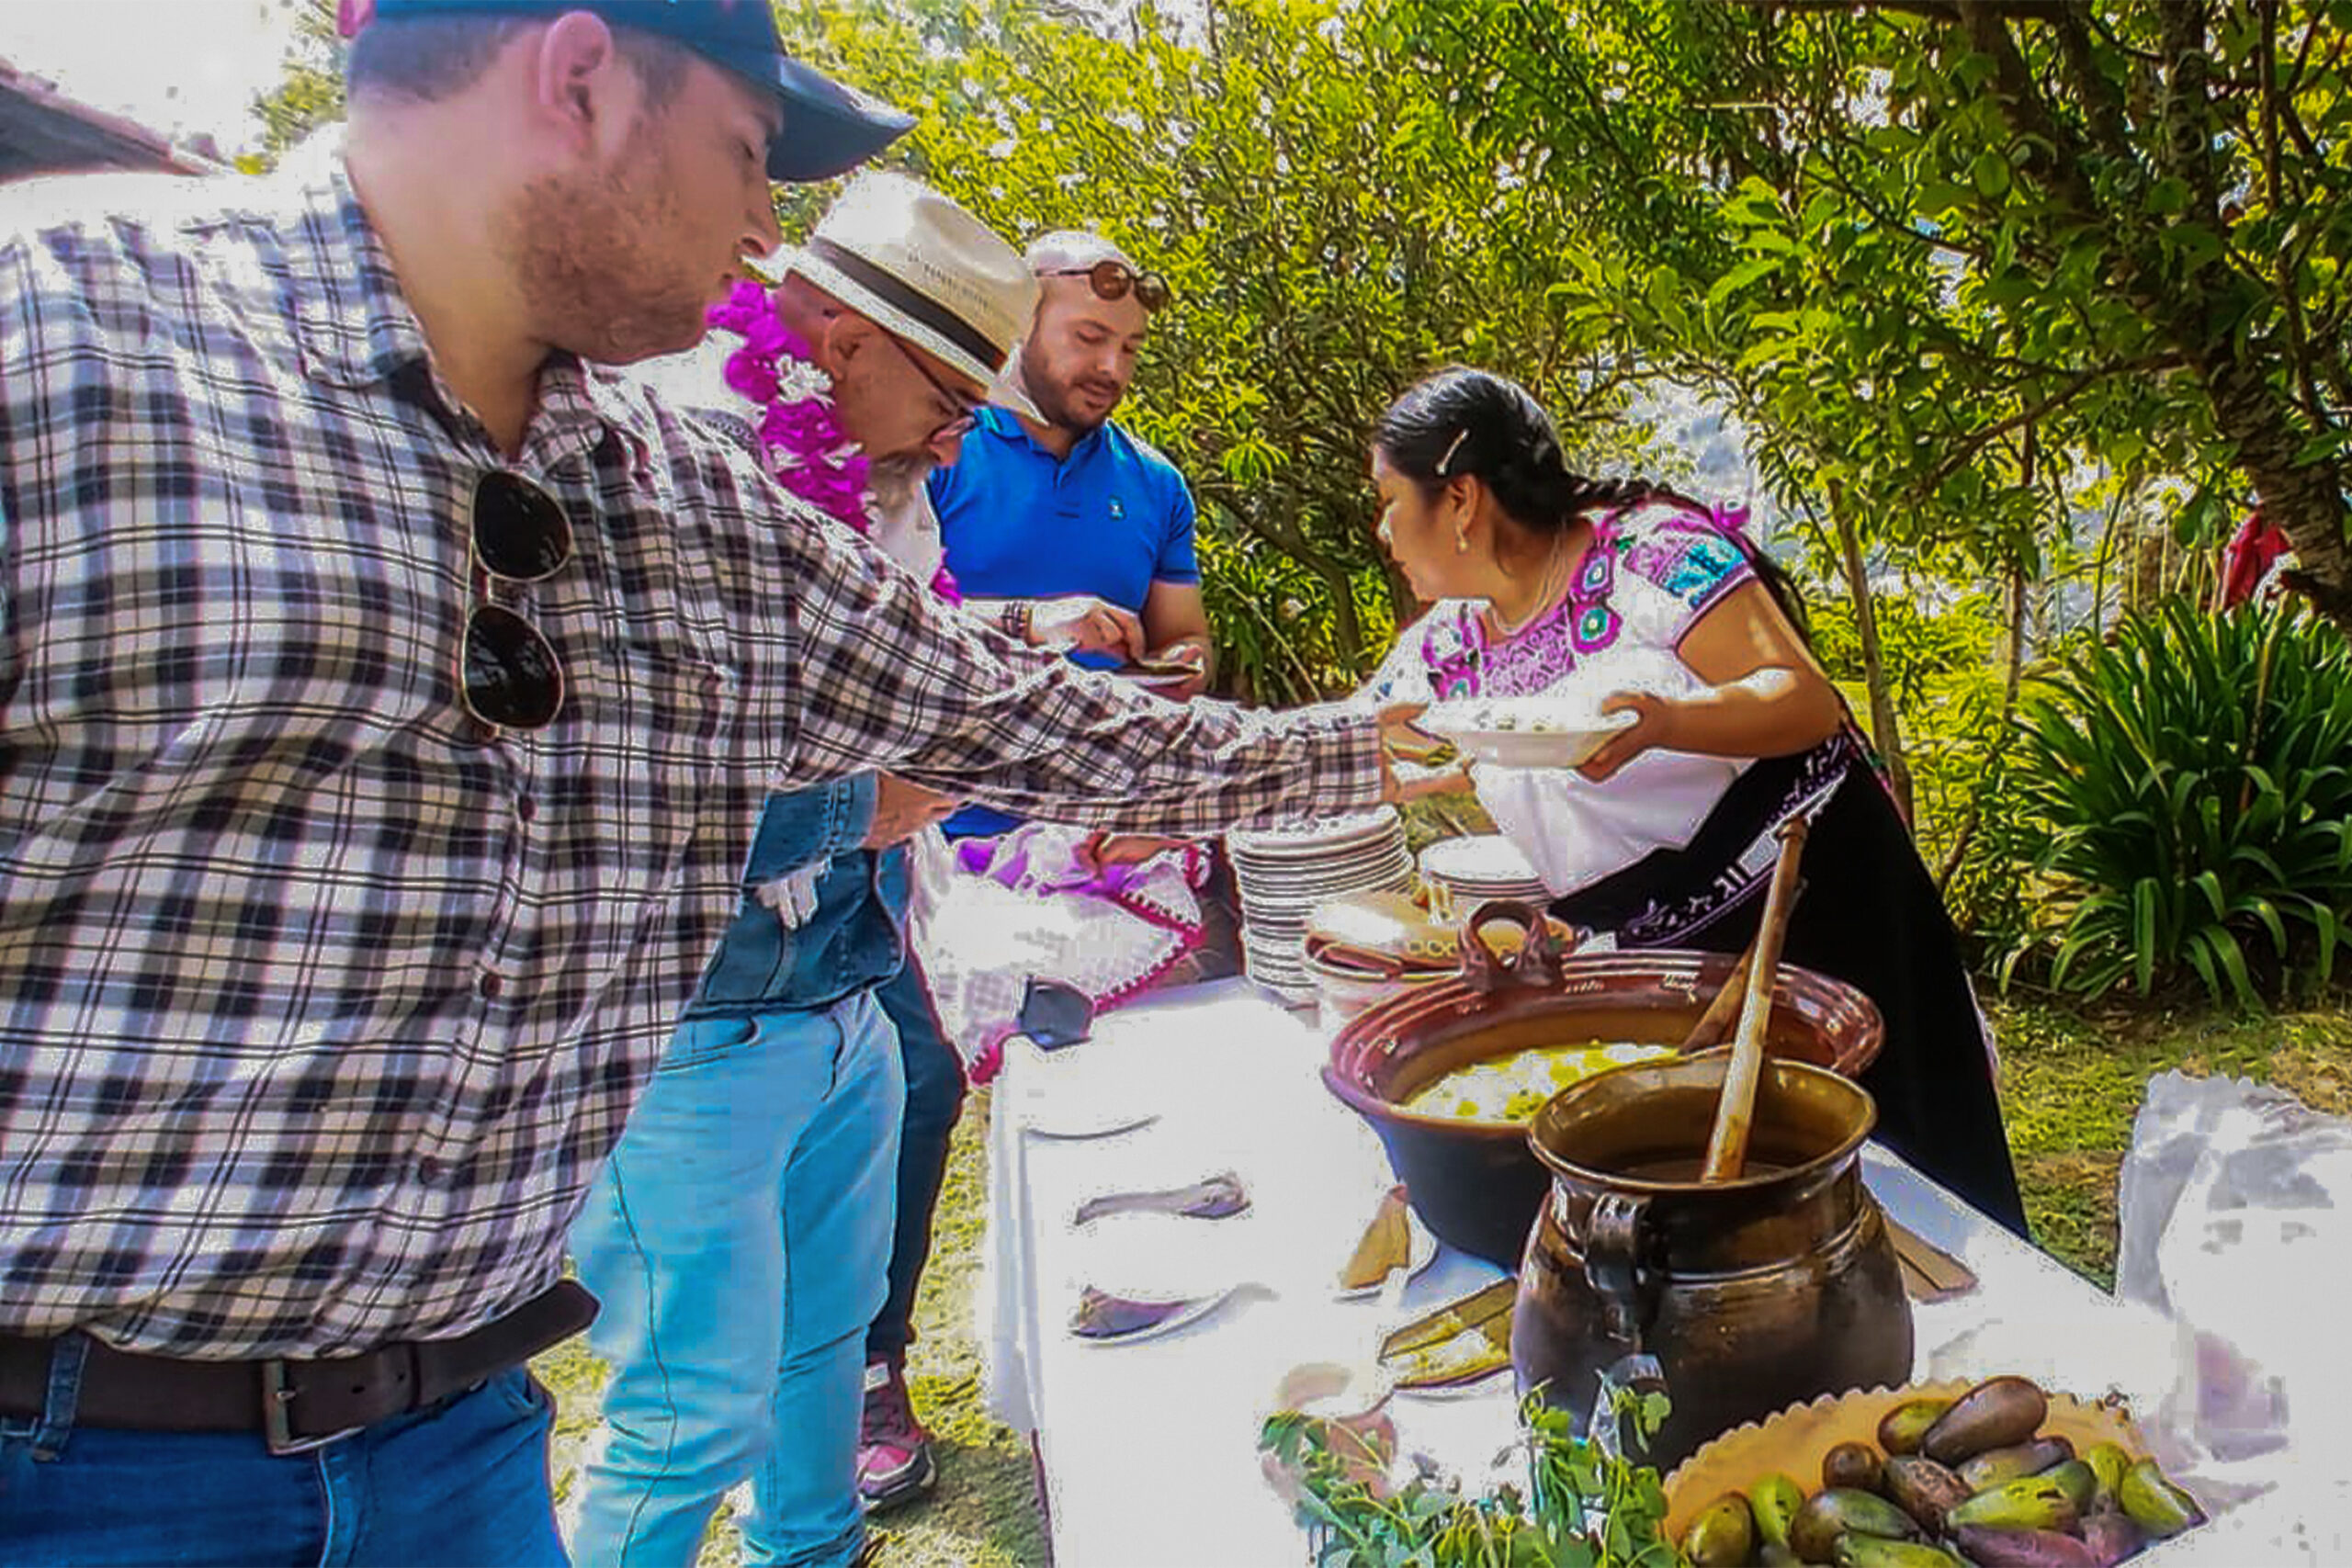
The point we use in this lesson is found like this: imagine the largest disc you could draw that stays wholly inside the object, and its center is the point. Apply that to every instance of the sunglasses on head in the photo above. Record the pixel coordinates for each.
(1116, 280)
(1054, 1015)
(508, 675)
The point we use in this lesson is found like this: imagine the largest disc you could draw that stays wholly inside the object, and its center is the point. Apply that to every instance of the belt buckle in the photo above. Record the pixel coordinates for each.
(277, 1396)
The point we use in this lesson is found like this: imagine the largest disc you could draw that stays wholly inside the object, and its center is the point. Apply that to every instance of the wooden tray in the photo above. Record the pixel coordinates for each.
(1795, 1442)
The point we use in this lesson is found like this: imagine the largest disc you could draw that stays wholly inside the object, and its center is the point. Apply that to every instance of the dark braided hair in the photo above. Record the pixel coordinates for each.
(1460, 420)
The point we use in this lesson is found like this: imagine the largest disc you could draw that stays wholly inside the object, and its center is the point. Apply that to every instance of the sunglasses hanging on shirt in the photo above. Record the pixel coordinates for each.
(1116, 280)
(508, 675)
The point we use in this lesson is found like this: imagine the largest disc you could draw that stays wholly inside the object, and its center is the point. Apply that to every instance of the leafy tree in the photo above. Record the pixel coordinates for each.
(1943, 252)
(1331, 235)
(309, 93)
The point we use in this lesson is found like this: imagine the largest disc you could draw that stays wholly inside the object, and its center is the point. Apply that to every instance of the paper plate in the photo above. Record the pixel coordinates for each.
(1071, 1093)
(1188, 1312)
(1795, 1442)
(1522, 733)
(1153, 680)
(1168, 1257)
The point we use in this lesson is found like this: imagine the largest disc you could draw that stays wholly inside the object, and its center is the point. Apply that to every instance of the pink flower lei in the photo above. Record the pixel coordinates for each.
(808, 451)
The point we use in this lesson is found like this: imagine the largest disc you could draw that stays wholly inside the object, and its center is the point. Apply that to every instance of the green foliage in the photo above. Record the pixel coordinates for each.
(310, 93)
(1941, 257)
(1591, 1509)
(1917, 645)
(2195, 776)
(1975, 829)
(1279, 638)
(1331, 234)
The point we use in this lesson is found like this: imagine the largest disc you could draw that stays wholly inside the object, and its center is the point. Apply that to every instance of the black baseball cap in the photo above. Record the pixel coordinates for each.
(828, 129)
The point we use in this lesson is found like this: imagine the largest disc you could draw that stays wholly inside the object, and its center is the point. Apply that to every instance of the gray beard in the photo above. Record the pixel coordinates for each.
(894, 481)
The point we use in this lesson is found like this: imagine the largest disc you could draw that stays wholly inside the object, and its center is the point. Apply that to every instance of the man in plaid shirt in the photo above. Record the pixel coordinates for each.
(387, 700)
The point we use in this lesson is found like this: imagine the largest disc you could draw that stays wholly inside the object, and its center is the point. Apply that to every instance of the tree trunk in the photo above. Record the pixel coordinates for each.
(1886, 733)
(2015, 674)
(1347, 624)
(2303, 501)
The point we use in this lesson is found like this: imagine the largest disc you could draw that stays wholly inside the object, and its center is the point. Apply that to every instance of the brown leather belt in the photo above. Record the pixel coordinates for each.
(294, 1404)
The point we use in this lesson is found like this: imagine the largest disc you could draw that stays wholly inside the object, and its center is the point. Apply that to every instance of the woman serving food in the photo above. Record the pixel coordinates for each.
(1655, 620)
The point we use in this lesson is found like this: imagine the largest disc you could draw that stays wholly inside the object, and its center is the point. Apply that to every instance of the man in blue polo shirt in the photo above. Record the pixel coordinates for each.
(1068, 529)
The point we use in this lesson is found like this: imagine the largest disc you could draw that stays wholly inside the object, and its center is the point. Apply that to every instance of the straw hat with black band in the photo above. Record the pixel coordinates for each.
(925, 271)
(828, 129)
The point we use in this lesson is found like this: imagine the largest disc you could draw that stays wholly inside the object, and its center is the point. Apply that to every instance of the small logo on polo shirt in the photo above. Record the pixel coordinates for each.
(1118, 509)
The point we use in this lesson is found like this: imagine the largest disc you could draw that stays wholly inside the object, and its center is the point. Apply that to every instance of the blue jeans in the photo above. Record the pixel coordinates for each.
(934, 1099)
(738, 1239)
(463, 1482)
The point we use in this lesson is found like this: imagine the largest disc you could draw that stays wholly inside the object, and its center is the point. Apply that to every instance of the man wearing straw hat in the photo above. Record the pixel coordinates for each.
(739, 1234)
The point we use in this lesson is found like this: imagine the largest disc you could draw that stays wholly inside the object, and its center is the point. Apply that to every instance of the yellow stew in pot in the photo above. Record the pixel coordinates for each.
(1513, 1087)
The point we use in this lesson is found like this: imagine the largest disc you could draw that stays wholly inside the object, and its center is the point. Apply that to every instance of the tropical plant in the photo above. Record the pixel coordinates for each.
(2195, 777)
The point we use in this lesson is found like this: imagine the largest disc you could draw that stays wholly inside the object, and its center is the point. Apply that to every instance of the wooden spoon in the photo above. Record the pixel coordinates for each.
(1723, 1011)
(1728, 1143)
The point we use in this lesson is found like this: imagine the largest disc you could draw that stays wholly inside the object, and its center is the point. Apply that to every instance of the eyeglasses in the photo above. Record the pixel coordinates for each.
(1053, 1014)
(966, 406)
(508, 675)
(1115, 280)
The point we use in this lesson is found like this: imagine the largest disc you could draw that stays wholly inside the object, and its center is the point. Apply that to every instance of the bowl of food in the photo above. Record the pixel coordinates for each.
(1449, 1074)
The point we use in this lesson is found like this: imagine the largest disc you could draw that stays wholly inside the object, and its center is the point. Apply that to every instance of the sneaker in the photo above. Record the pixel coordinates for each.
(894, 1463)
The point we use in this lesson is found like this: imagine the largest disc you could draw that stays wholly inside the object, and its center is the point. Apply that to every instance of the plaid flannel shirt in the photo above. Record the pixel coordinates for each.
(320, 1003)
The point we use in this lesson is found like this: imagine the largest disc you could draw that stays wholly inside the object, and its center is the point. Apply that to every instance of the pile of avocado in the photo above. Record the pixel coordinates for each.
(1952, 1483)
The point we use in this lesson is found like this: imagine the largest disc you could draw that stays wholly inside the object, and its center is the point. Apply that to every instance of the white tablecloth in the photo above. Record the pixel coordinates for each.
(1149, 1450)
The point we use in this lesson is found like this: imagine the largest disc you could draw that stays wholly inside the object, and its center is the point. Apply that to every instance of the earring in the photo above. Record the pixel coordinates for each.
(1461, 543)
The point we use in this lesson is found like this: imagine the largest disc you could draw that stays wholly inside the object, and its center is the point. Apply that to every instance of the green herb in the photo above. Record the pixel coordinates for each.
(1591, 1508)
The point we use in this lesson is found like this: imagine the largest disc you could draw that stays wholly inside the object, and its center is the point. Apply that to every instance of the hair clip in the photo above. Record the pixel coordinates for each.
(1445, 464)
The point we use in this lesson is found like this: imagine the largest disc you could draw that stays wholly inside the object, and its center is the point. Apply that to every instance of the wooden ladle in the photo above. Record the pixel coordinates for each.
(1735, 1111)
(1723, 1013)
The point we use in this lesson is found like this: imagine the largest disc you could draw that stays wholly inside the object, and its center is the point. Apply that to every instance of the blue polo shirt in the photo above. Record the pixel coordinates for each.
(1019, 522)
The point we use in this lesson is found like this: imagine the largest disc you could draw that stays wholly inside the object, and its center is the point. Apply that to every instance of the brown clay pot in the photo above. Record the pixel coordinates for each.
(1478, 1185)
(1751, 1295)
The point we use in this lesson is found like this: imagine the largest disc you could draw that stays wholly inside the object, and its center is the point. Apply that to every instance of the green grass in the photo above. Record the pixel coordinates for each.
(2070, 1081)
(984, 1513)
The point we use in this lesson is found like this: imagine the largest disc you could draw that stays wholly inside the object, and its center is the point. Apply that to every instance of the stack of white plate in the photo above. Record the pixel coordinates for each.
(1283, 873)
(1481, 866)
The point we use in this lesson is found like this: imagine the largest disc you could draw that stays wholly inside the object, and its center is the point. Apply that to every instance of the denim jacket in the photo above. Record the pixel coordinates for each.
(855, 940)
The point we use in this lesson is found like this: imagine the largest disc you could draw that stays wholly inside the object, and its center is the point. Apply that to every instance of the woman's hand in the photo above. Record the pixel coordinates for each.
(1653, 727)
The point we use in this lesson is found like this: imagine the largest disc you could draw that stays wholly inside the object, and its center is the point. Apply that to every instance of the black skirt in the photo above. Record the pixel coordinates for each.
(1870, 915)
